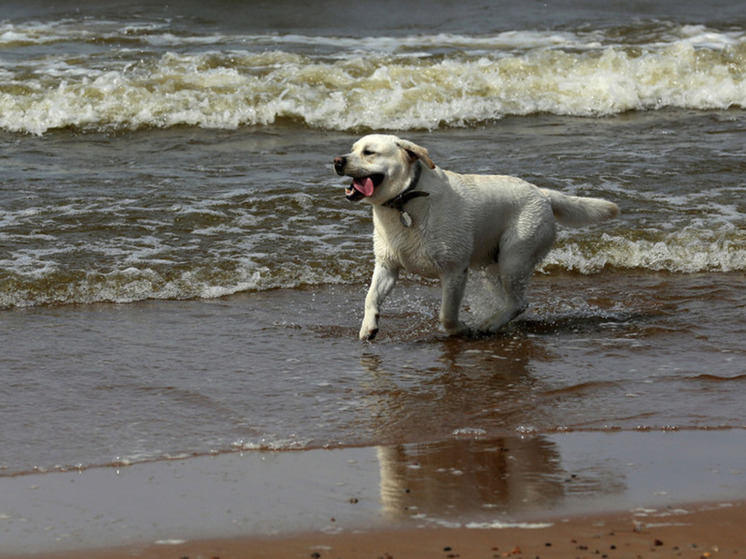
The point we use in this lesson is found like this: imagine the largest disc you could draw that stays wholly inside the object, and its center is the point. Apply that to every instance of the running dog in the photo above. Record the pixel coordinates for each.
(439, 224)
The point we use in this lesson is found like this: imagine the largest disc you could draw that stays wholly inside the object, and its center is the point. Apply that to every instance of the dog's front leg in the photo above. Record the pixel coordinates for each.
(383, 282)
(453, 285)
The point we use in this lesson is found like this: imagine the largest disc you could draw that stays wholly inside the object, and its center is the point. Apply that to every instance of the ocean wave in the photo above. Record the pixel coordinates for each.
(31, 282)
(655, 33)
(404, 83)
(50, 286)
(689, 250)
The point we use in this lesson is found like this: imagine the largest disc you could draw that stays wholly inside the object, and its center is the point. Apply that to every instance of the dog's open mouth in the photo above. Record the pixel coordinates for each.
(362, 187)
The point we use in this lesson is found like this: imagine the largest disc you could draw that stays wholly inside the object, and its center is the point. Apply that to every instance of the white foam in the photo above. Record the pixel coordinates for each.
(502, 525)
(148, 269)
(686, 250)
(270, 444)
(364, 85)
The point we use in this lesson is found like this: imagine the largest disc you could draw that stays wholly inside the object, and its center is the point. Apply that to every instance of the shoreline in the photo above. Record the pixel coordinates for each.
(458, 493)
(701, 530)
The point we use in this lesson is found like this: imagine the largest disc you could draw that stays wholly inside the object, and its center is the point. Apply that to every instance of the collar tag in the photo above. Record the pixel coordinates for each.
(409, 193)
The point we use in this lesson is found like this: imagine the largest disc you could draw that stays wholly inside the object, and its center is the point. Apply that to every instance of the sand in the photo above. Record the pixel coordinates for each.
(696, 531)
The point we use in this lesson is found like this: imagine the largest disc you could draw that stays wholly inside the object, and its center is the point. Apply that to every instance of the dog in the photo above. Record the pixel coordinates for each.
(440, 224)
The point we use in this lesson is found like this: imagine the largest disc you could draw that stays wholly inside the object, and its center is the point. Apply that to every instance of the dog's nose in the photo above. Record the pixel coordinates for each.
(339, 165)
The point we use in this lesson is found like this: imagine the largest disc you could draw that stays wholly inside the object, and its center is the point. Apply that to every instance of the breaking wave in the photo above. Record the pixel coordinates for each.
(33, 283)
(690, 250)
(130, 77)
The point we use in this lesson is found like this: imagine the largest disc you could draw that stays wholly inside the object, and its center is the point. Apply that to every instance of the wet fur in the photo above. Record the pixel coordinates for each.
(499, 223)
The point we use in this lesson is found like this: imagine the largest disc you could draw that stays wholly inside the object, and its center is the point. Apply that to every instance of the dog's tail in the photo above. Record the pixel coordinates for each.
(577, 211)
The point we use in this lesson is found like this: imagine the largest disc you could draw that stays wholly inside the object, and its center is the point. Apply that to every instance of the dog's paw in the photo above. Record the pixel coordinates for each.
(497, 322)
(458, 329)
(367, 335)
(369, 328)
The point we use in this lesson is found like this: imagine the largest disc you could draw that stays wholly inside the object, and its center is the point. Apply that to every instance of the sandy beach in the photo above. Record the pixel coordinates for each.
(696, 531)
(707, 531)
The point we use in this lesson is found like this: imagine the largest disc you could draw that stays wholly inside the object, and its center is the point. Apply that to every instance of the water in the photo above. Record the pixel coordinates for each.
(180, 273)
(99, 74)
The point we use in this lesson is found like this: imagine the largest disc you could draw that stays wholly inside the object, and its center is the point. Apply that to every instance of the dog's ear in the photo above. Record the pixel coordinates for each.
(416, 152)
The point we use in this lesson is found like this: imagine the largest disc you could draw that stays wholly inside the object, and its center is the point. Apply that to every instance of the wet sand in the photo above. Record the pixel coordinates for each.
(620, 494)
(705, 531)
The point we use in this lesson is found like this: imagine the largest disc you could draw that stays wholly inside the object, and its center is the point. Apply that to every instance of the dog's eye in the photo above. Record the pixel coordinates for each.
(368, 152)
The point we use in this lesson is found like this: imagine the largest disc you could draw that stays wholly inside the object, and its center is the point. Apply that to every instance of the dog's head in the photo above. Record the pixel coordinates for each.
(380, 166)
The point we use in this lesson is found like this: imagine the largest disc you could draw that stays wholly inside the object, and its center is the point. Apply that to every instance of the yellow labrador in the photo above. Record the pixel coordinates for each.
(439, 224)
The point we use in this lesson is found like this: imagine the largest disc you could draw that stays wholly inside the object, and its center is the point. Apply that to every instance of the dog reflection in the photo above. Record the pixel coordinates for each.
(461, 478)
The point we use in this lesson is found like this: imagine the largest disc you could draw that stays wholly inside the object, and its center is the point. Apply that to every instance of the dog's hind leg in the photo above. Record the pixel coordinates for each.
(515, 304)
(514, 281)
(384, 280)
(453, 286)
(516, 265)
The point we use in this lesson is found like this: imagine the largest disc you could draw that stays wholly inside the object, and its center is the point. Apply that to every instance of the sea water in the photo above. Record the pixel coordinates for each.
(180, 273)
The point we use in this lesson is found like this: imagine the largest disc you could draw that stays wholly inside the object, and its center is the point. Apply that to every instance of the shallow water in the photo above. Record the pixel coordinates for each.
(488, 483)
(180, 273)
(284, 370)
(180, 214)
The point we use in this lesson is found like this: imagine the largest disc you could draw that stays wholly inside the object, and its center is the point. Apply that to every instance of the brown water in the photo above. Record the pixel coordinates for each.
(484, 483)
(283, 369)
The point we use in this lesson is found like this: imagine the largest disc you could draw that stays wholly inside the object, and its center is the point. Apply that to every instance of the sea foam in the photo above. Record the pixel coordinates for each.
(404, 83)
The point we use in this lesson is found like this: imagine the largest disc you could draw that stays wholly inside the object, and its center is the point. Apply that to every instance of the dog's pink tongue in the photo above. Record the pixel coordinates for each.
(364, 186)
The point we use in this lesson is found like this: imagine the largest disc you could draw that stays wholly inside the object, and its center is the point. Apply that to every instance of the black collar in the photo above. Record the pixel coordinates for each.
(409, 193)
